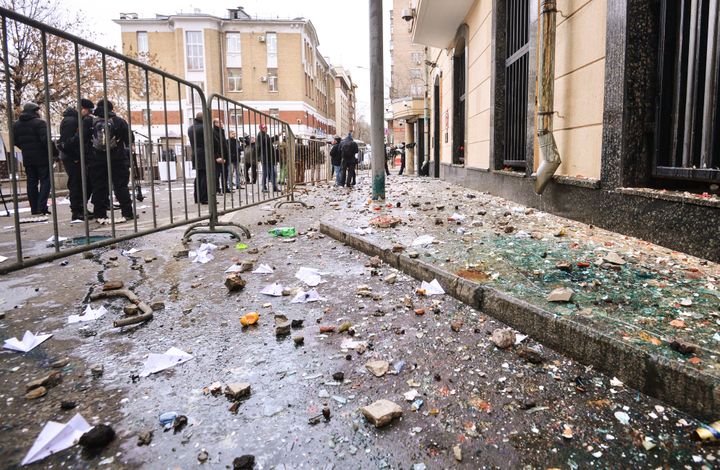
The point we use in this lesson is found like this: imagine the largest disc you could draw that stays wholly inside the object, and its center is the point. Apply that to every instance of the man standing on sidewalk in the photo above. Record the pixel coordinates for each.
(348, 150)
(31, 138)
(72, 135)
(264, 147)
(196, 134)
(336, 159)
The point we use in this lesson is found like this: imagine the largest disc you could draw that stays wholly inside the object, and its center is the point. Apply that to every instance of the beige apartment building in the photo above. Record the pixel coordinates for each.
(345, 101)
(272, 65)
(635, 117)
(406, 111)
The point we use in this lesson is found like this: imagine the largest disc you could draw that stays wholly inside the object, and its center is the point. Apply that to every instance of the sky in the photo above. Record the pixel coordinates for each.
(342, 27)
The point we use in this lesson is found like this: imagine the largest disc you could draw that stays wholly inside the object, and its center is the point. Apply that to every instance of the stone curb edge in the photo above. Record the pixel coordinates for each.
(681, 386)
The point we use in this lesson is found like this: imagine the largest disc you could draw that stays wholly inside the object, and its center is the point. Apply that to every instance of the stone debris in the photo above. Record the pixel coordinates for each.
(614, 258)
(390, 278)
(282, 325)
(144, 438)
(377, 368)
(48, 381)
(457, 452)
(503, 338)
(98, 437)
(561, 294)
(234, 282)
(236, 391)
(299, 340)
(35, 393)
(381, 412)
(531, 355)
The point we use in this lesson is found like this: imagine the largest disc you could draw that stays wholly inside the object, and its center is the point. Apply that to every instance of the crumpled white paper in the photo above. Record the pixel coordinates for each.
(131, 251)
(364, 231)
(158, 362)
(423, 240)
(3, 258)
(263, 269)
(56, 437)
(235, 268)
(273, 289)
(303, 297)
(457, 217)
(60, 239)
(310, 276)
(203, 254)
(432, 288)
(89, 314)
(28, 342)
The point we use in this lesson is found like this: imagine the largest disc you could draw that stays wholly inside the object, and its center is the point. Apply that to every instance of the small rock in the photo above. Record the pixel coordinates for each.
(457, 452)
(97, 370)
(338, 376)
(299, 340)
(561, 294)
(282, 325)
(503, 338)
(413, 254)
(683, 347)
(375, 262)
(297, 323)
(234, 282)
(158, 305)
(86, 332)
(390, 278)
(245, 462)
(327, 329)
(509, 229)
(326, 413)
(397, 248)
(67, 404)
(48, 381)
(246, 266)
(203, 456)
(531, 355)
(564, 266)
(131, 310)
(181, 254)
(113, 285)
(344, 327)
(377, 368)
(150, 259)
(214, 389)
(456, 325)
(179, 423)
(36, 392)
(614, 258)
(237, 391)
(88, 255)
(382, 412)
(98, 437)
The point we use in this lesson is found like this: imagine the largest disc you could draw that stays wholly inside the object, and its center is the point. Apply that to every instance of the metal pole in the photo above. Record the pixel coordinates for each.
(377, 123)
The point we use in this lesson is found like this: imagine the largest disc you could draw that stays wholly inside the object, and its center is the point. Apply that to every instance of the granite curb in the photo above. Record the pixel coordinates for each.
(683, 387)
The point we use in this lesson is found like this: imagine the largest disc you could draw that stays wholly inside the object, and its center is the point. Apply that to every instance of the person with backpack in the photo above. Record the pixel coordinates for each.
(196, 135)
(348, 149)
(72, 136)
(30, 133)
(336, 159)
(109, 132)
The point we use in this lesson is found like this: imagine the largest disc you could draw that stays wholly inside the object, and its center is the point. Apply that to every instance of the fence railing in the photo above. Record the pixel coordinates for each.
(163, 166)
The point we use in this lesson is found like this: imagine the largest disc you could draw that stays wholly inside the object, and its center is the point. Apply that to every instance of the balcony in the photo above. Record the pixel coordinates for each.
(437, 21)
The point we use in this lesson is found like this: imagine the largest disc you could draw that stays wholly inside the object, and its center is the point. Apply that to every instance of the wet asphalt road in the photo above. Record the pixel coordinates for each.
(502, 411)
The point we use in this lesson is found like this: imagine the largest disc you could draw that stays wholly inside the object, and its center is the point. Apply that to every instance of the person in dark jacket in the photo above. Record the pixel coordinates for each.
(30, 135)
(235, 148)
(336, 159)
(118, 141)
(72, 137)
(222, 153)
(250, 161)
(348, 149)
(196, 134)
(266, 154)
(401, 151)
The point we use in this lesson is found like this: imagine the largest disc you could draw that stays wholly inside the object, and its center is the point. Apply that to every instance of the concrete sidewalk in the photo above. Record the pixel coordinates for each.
(642, 312)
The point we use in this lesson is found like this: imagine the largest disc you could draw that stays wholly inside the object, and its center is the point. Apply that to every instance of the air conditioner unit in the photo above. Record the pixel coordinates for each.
(263, 79)
(261, 38)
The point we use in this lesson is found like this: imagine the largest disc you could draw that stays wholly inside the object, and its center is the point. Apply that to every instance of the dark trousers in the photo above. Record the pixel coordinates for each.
(222, 176)
(38, 175)
(402, 165)
(120, 167)
(347, 173)
(201, 192)
(269, 174)
(251, 167)
(74, 172)
(387, 172)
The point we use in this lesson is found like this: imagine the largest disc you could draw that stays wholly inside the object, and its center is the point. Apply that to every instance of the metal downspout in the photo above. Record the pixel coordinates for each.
(546, 92)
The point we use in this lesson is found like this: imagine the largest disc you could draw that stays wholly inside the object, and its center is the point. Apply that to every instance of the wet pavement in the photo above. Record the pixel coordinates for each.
(502, 410)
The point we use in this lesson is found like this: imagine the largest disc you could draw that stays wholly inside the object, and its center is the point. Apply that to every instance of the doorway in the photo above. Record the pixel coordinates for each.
(459, 97)
(436, 128)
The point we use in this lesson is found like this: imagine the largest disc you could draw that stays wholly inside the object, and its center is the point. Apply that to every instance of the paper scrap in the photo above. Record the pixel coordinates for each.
(158, 362)
(263, 269)
(349, 343)
(28, 342)
(235, 268)
(60, 239)
(56, 437)
(432, 288)
(131, 251)
(423, 240)
(303, 297)
(274, 289)
(89, 314)
(364, 231)
(3, 258)
(203, 254)
(309, 276)
(457, 217)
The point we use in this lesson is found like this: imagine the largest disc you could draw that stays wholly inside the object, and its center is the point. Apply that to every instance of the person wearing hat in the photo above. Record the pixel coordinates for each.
(117, 141)
(30, 136)
(72, 137)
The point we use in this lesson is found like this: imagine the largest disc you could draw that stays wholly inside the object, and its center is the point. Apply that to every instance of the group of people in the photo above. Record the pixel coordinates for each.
(228, 155)
(94, 132)
(343, 157)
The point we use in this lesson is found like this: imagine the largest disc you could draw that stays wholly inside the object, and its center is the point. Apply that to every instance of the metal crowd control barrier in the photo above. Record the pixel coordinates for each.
(155, 167)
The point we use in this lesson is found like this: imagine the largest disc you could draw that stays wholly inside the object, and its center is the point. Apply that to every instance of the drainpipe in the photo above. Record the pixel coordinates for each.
(546, 90)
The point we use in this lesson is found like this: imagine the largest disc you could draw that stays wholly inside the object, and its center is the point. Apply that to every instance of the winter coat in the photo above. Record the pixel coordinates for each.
(30, 133)
(197, 143)
(234, 145)
(263, 147)
(120, 132)
(69, 141)
(335, 156)
(348, 149)
(220, 143)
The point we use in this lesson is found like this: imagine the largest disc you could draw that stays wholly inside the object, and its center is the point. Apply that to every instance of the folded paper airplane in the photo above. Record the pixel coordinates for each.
(56, 437)
(28, 342)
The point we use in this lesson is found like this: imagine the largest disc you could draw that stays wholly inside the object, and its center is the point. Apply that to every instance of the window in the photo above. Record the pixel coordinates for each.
(274, 112)
(234, 79)
(142, 42)
(194, 50)
(236, 118)
(272, 80)
(271, 41)
(415, 74)
(234, 57)
(195, 96)
(416, 57)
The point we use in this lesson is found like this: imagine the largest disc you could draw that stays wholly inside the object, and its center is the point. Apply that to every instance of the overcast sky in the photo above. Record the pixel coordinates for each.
(342, 27)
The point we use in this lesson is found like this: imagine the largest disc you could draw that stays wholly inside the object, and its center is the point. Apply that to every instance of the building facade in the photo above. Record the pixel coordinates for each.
(345, 101)
(635, 116)
(272, 65)
(406, 112)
